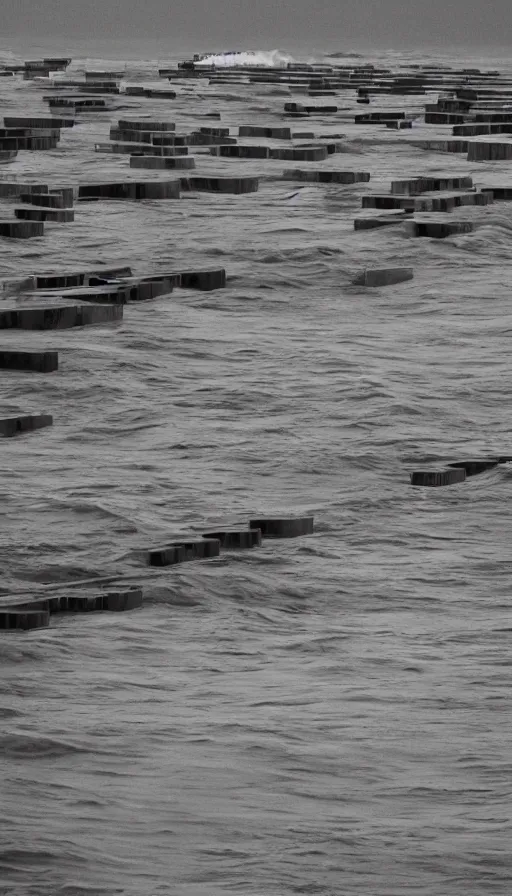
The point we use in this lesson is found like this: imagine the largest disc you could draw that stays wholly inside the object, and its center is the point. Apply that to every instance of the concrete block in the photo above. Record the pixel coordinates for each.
(326, 177)
(269, 133)
(241, 152)
(121, 601)
(438, 229)
(70, 279)
(41, 362)
(198, 548)
(132, 190)
(14, 190)
(380, 221)
(165, 163)
(7, 155)
(13, 426)
(475, 467)
(415, 185)
(284, 527)
(59, 317)
(230, 539)
(45, 200)
(21, 230)
(220, 184)
(23, 620)
(203, 280)
(52, 122)
(383, 277)
(145, 124)
(489, 150)
(438, 478)
(301, 154)
(167, 556)
(57, 215)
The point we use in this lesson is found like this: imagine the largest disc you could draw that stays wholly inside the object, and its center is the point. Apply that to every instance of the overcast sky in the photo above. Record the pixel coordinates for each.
(268, 24)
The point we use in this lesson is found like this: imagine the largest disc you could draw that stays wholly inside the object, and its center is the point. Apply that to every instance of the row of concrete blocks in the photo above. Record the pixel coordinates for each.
(36, 614)
(210, 544)
(432, 229)
(55, 206)
(137, 190)
(303, 153)
(201, 280)
(443, 203)
(33, 614)
(457, 472)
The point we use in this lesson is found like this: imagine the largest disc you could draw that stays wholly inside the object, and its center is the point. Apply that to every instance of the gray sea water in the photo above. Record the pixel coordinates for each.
(330, 715)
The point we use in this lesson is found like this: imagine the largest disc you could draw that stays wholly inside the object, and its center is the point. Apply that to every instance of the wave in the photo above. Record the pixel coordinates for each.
(265, 58)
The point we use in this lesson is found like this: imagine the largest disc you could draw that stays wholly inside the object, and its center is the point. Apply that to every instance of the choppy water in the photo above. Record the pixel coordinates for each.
(326, 716)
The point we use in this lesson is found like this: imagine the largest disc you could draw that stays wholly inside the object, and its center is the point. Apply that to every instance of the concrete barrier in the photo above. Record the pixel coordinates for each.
(383, 277)
(231, 539)
(13, 426)
(220, 184)
(438, 478)
(59, 317)
(286, 527)
(41, 362)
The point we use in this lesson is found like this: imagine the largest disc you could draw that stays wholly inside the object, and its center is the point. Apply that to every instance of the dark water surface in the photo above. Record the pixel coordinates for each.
(330, 715)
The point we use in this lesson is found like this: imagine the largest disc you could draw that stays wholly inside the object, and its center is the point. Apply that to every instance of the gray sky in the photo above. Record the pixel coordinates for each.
(268, 24)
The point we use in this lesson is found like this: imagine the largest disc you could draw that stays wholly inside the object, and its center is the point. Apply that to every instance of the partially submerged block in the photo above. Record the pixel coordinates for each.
(23, 620)
(59, 317)
(162, 163)
(52, 123)
(40, 362)
(230, 538)
(181, 550)
(438, 478)
(489, 150)
(414, 185)
(69, 279)
(383, 276)
(57, 215)
(203, 280)
(380, 221)
(284, 527)
(301, 153)
(270, 133)
(132, 190)
(21, 230)
(12, 426)
(166, 556)
(439, 230)
(475, 467)
(326, 177)
(121, 601)
(241, 152)
(221, 184)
